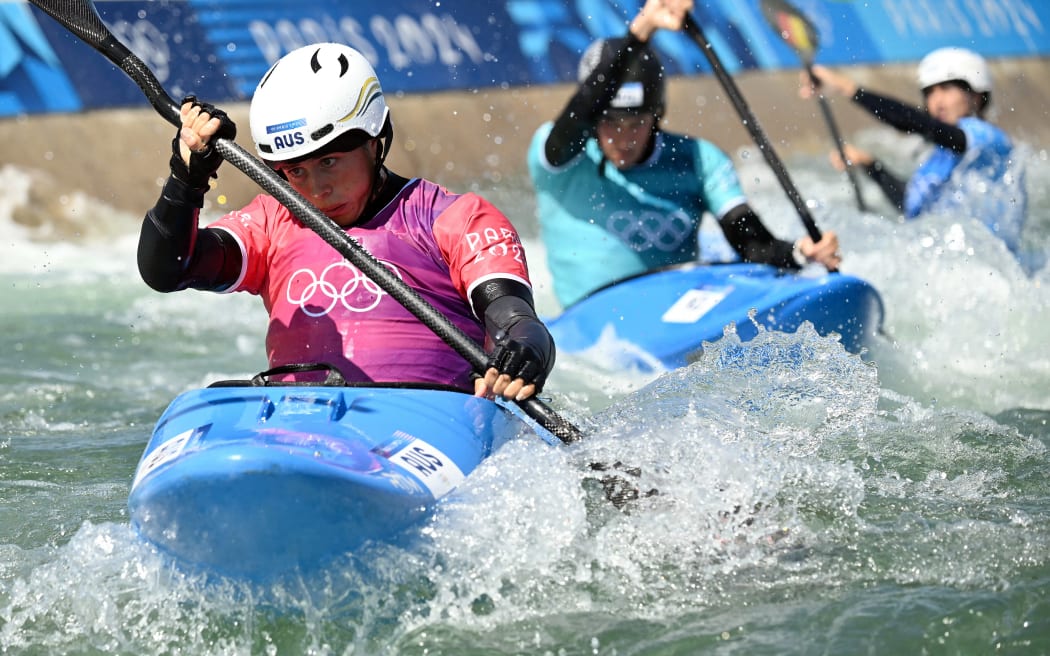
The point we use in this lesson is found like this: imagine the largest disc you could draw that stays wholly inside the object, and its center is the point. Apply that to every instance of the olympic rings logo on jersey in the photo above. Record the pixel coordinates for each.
(665, 232)
(356, 293)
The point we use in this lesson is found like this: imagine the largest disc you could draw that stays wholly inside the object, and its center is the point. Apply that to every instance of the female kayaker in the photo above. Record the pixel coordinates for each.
(970, 171)
(617, 196)
(319, 119)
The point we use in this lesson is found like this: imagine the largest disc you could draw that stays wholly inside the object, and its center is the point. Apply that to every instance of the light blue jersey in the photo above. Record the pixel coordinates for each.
(599, 227)
(984, 182)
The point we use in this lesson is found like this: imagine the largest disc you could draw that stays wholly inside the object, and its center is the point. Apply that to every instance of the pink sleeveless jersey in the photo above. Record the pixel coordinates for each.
(323, 309)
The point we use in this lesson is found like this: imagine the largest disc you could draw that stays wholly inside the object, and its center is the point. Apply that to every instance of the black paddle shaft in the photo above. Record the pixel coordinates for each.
(777, 11)
(840, 143)
(692, 28)
(81, 18)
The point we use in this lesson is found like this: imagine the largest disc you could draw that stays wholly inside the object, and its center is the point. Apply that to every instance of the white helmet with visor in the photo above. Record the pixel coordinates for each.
(312, 96)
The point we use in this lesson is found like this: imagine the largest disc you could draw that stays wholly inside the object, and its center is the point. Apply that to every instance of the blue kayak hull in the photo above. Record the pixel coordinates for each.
(665, 316)
(254, 482)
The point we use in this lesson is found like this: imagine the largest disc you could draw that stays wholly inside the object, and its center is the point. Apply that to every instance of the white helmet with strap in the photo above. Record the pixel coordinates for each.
(950, 64)
(312, 96)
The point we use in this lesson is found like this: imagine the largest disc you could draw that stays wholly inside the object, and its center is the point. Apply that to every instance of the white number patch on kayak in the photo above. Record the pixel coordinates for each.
(427, 463)
(162, 454)
(694, 304)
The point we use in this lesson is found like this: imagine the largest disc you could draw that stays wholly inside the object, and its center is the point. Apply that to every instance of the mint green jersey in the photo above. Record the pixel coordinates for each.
(599, 226)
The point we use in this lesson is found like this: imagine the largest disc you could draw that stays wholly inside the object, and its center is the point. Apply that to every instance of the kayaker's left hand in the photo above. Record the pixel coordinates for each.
(856, 157)
(825, 252)
(493, 383)
(522, 358)
(659, 14)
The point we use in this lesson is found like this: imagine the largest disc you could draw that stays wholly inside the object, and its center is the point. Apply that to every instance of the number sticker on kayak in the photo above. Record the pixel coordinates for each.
(694, 304)
(427, 463)
(164, 453)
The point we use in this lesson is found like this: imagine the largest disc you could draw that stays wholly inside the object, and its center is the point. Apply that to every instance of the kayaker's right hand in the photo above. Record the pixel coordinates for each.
(193, 159)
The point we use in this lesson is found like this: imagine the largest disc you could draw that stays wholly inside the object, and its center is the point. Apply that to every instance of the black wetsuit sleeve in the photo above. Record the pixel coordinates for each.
(173, 254)
(750, 238)
(891, 185)
(593, 96)
(911, 120)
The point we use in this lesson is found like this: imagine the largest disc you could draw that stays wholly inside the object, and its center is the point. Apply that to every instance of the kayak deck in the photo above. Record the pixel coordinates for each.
(250, 482)
(665, 316)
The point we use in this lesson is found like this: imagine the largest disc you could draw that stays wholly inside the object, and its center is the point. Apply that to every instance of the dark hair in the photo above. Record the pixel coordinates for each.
(985, 97)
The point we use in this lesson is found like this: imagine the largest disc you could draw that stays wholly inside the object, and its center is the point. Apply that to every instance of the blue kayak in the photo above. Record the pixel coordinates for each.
(664, 317)
(252, 482)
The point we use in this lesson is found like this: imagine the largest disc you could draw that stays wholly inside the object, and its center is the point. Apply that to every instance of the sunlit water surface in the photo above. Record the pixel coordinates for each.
(811, 501)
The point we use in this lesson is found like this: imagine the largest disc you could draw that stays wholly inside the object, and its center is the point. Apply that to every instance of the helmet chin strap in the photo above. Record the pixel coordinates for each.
(377, 175)
(385, 138)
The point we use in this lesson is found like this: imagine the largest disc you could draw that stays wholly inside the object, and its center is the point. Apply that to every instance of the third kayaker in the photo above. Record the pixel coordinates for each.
(971, 169)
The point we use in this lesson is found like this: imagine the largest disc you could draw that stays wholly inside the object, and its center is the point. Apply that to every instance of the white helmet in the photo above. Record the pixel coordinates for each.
(310, 97)
(948, 64)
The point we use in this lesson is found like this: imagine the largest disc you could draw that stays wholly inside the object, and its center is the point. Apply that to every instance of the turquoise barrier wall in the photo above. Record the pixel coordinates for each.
(219, 49)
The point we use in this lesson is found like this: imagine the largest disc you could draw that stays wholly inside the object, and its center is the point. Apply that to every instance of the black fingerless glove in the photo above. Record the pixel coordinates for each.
(524, 350)
(202, 166)
(521, 345)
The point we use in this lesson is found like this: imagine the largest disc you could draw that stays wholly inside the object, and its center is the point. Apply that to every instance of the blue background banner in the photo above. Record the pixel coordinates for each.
(219, 49)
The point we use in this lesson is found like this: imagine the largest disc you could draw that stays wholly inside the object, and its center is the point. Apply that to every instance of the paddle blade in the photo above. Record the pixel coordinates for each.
(793, 27)
(81, 18)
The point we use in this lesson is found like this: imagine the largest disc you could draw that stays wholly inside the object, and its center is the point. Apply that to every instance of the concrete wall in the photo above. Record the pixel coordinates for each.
(468, 140)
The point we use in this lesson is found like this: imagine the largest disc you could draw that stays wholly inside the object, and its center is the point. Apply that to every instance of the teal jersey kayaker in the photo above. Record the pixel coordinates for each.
(617, 196)
(972, 169)
(603, 228)
(319, 120)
